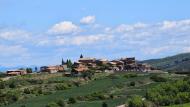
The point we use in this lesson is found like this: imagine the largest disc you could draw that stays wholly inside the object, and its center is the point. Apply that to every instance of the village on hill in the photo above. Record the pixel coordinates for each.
(93, 82)
(87, 64)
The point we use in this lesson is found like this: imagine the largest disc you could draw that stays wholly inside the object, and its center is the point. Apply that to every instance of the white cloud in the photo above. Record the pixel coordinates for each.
(169, 24)
(13, 50)
(156, 50)
(81, 40)
(65, 27)
(90, 39)
(141, 39)
(14, 35)
(88, 20)
(126, 28)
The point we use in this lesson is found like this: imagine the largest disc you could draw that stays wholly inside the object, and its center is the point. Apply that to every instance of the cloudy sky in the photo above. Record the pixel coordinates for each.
(41, 32)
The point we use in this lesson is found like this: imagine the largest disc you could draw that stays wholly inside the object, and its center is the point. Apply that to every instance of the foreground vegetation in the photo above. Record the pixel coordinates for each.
(103, 89)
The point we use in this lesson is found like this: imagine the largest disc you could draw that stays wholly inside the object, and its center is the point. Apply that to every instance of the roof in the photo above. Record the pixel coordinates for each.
(16, 70)
(102, 60)
(87, 58)
(113, 63)
(13, 73)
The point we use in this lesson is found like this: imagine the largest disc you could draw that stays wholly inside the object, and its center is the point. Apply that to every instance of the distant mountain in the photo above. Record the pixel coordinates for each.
(5, 68)
(177, 63)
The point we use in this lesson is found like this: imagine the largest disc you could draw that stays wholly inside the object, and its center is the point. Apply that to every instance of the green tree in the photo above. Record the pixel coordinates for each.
(69, 63)
(29, 70)
(62, 62)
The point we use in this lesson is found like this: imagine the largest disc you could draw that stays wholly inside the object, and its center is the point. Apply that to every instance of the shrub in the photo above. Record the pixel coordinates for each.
(35, 81)
(2, 85)
(52, 104)
(12, 85)
(72, 100)
(132, 83)
(136, 101)
(27, 91)
(104, 104)
(130, 75)
(61, 103)
(23, 106)
(62, 86)
(157, 78)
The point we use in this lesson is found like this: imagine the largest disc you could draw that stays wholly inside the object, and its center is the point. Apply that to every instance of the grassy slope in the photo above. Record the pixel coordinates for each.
(179, 62)
(93, 86)
(103, 83)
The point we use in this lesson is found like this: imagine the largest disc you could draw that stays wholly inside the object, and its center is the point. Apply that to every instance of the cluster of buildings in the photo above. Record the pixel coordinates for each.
(104, 65)
(99, 65)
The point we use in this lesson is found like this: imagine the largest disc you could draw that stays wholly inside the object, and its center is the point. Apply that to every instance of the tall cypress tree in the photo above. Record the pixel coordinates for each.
(62, 62)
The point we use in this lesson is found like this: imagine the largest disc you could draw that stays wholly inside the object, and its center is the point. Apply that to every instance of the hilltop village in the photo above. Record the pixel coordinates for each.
(85, 64)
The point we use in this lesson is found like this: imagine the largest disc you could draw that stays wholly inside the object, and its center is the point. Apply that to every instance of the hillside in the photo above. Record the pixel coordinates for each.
(49, 90)
(179, 63)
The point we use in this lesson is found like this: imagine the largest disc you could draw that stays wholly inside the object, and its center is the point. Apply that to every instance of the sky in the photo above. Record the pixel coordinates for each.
(42, 32)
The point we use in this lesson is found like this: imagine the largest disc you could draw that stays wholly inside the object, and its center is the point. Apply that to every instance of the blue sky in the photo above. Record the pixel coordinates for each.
(41, 32)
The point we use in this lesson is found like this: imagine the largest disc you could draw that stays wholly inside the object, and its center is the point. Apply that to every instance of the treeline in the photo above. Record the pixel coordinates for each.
(170, 93)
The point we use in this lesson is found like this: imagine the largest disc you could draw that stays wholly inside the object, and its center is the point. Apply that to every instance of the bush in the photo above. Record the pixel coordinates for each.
(62, 86)
(132, 83)
(23, 106)
(27, 91)
(61, 103)
(136, 101)
(72, 100)
(12, 85)
(157, 78)
(130, 75)
(52, 104)
(35, 81)
(2, 85)
(104, 104)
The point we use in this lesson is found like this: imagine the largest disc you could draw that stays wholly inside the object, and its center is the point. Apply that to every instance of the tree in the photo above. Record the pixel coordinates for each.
(36, 69)
(104, 104)
(62, 62)
(81, 56)
(69, 63)
(29, 70)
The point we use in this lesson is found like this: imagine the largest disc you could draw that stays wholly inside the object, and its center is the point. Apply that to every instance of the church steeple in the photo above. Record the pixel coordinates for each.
(81, 56)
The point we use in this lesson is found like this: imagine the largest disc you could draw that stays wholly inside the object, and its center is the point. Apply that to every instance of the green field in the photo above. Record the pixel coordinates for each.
(181, 105)
(116, 85)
